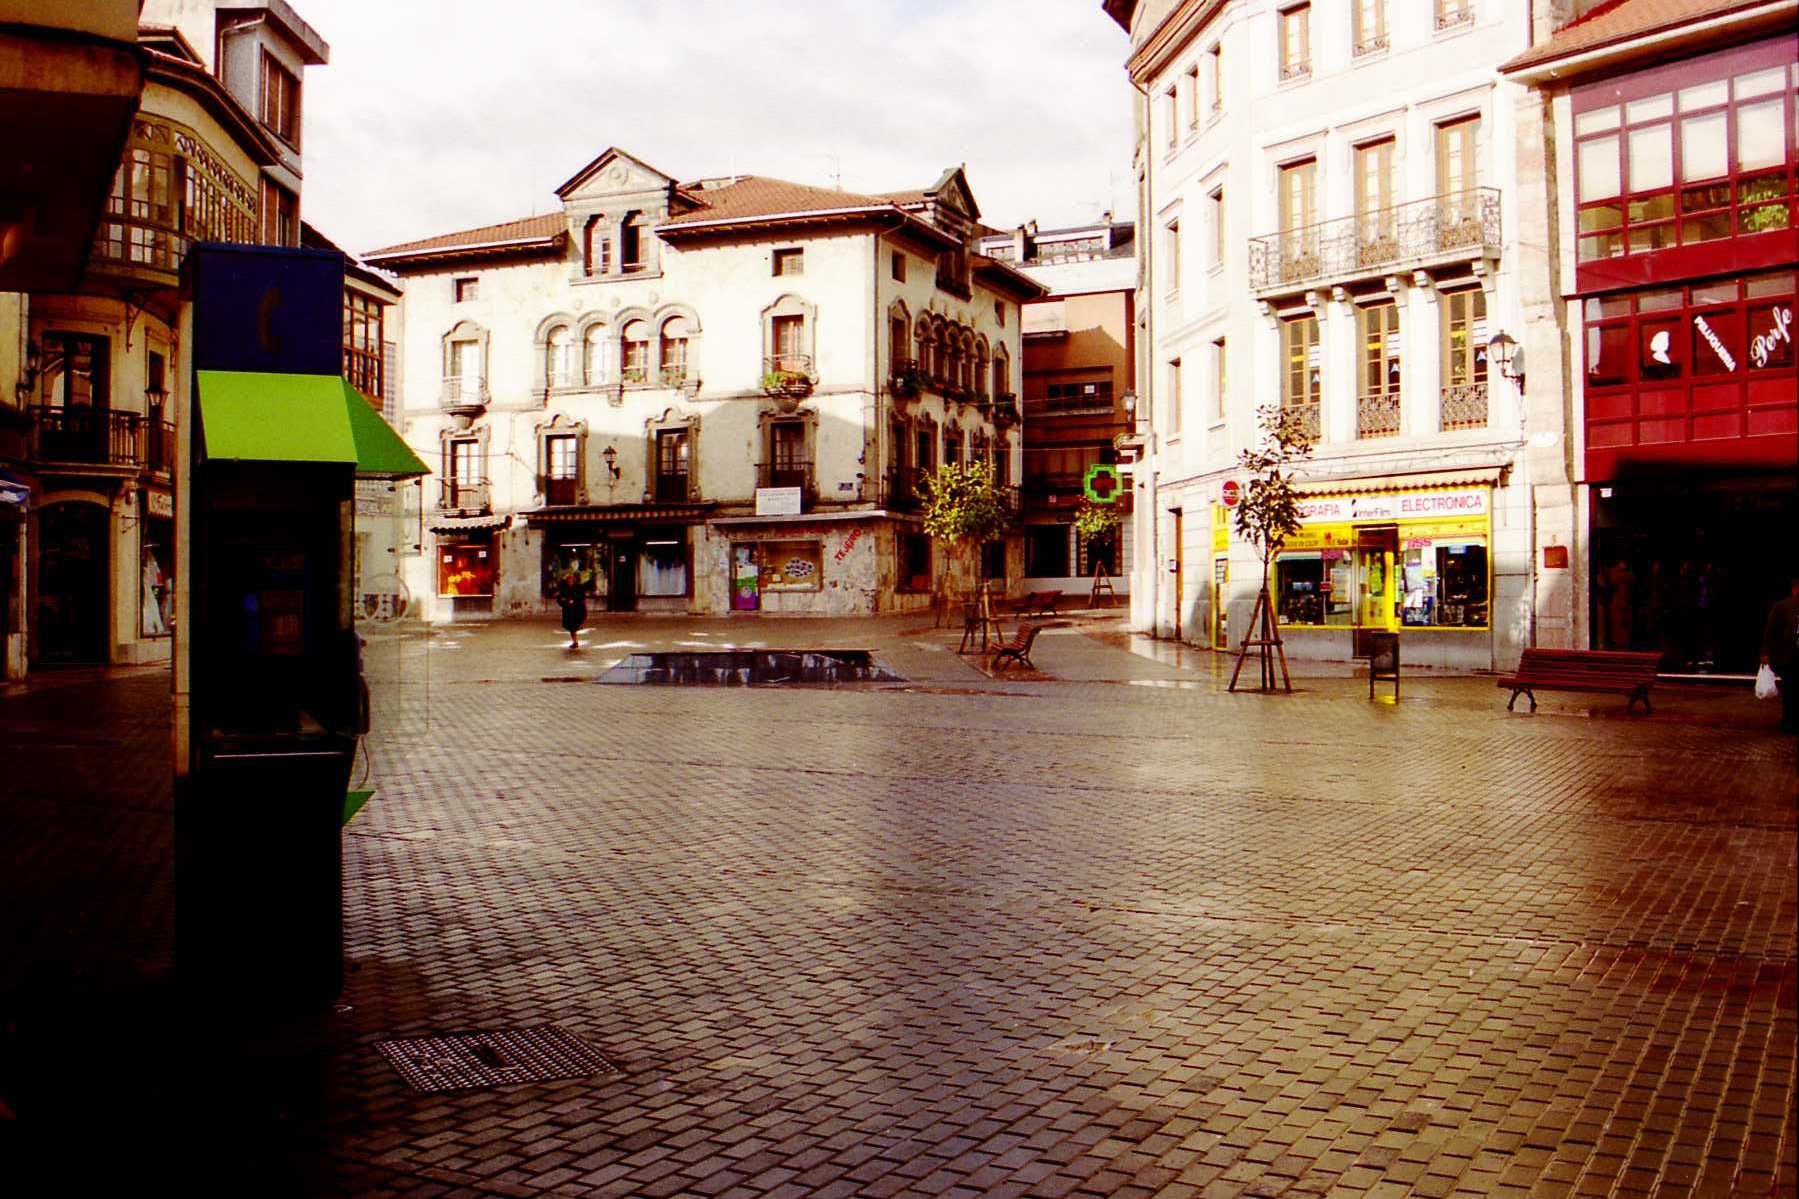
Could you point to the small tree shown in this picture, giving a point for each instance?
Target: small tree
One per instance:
(1096, 522)
(964, 508)
(1268, 514)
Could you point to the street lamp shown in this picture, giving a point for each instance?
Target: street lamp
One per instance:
(1130, 409)
(611, 456)
(1502, 352)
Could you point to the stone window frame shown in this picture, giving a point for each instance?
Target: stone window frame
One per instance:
(608, 342)
(560, 424)
(897, 311)
(673, 418)
(690, 383)
(480, 435)
(622, 320)
(468, 331)
(771, 413)
(791, 304)
(541, 381)
(1002, 372)
(983, 367)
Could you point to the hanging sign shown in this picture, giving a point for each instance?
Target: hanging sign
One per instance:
(1101, 484)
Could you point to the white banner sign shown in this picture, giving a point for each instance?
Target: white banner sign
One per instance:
(1402, 505)
(777, 501)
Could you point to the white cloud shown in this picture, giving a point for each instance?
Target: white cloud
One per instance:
(433, 117)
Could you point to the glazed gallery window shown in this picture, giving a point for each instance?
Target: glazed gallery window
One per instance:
(1683, 165)
(1706, 331)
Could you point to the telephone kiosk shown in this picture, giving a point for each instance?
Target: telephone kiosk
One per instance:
(275, 698)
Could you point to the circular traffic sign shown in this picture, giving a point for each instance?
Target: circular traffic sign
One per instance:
(1231, 493)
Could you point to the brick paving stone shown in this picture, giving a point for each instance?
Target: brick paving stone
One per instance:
(1017, 937)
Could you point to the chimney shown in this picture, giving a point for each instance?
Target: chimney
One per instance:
(1106, 220)
(1019, 241)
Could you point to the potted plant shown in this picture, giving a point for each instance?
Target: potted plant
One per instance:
(781, 381)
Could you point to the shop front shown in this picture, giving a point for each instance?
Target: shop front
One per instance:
(813, 565)
(1415, 563)
(631, 557)
(468, 570)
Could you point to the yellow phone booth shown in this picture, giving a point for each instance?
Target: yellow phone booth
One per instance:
(1377, 596)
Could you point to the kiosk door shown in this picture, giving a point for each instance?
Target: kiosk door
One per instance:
(1377, 590)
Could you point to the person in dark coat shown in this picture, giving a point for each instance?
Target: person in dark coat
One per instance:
(571, 597)
(1780, 650)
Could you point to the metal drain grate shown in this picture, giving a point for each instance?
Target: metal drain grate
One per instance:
(468, 1060)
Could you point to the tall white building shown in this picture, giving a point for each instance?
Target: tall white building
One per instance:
(1330, 224)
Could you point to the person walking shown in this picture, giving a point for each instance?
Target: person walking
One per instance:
(571, 597)
(1780, 650)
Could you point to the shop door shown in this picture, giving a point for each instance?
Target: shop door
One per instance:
(1377, 591)
(72, 591)
(746, 583)
(621, 594)
(1221, 616)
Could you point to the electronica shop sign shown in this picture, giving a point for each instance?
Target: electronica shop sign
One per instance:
(1396, 506)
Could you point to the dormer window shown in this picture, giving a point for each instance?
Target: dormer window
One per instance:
(280, 101)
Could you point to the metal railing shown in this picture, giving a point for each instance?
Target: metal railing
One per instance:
(464, 391)
(786, 474)
(1308, 417)
(1377, 415)
(902, 489)
(561, 491)
(1295, 70)
(788, 364)
(88, 436)
(159, 446)
(671, 487)
(673, 375)
(1449, 18)
(1371, 243)
(457, 495)
(1464, 406)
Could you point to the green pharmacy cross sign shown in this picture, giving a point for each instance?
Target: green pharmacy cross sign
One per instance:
(1102, 484)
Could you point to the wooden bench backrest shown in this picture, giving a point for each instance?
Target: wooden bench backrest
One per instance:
(1585, 661)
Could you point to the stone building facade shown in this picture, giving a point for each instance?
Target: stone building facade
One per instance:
(710, 396)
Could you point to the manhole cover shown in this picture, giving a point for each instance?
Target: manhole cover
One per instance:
(467, 1060)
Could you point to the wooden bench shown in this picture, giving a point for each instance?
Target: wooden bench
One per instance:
(1629, 674)
(1038, 603)
(1016, 650)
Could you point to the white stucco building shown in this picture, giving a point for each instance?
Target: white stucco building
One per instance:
(715, 395)
(1330, 222)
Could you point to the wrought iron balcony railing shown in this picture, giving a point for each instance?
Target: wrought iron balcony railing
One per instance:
(1377, 415)
(671, 487)
(1308, 415)
(159, 447)
(464, 391)
(1448, 17)
(902, 489)
(560, 491)
(1464, 406)
(786, 474)
(86, 436)
(787, 374)
(460, 495)
(1455, 226)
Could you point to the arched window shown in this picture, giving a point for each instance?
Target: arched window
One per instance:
(965, 361)
(595, 367)
(596, 248)
(922, 334)
(630, 244)
(674, 351)
(558, 366)
(634, 364)
(1002, 374)
(981, 368)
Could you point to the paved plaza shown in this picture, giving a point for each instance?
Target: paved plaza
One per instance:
(1105, 930)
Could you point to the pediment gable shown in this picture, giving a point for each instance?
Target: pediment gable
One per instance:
(952, 191)
(614, 173)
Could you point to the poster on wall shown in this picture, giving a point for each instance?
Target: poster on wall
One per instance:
(465, 570)
(745, 593)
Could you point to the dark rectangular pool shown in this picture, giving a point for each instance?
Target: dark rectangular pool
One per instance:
(750, 668)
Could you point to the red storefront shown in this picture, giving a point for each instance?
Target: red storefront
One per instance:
(1686, 243)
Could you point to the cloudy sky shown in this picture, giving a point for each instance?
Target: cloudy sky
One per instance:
(436, 115)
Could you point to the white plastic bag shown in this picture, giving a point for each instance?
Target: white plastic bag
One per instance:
(1765, 687)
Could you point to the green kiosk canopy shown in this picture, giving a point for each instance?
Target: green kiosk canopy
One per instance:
(251, 416)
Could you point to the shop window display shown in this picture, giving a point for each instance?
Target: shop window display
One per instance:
(662, 567)
(1444, 583)
(1315, 587)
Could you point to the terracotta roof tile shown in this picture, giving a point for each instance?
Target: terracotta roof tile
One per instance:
(758, 195)
(523, 229)
(1622, 20)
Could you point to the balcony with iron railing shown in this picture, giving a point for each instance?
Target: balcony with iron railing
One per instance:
(1463, 406)
(788, 374)
(463, 495)
(791, 473)
(159, 447)
(465, 394)
(1307, 415)
(671, 487)
(903, 484)
(79, 439)
(560, 491)
(1422, 235)
(1377, 414)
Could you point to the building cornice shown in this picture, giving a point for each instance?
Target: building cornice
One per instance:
(1712, 33)
(443, 255)
(1177, 29)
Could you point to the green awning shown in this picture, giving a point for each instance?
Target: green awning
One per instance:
(251, 416)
